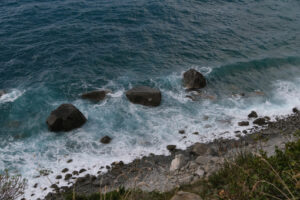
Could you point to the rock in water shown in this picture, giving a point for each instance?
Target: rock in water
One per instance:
(260, 121)
(2, 92)
(185, 196)
(105, 140)
(144, 95)
(95, 96)
(193, 79)
(253, 114)
(243, 123)
(65, 118)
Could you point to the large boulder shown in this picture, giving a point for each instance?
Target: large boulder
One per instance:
(253, 114)
(144, 95)
(65, 118)
(185, 196)
(192, 79)
(95, 96)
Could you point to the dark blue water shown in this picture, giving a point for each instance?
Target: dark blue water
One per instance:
(51, 51)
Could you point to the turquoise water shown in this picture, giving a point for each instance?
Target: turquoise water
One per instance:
(52, 51)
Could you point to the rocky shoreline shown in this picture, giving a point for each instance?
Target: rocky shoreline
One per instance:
(163, 173)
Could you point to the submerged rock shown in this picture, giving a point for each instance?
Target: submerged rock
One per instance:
(105, 140)
(95, 96)
(185, 196)
(65, 118)
(243, 123)
(144, 95)
(253, 114)
(192, 79)
(260, 121)
(2, 92)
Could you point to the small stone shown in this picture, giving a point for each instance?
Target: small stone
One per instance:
(260, 121)
(171, 147)
(244, 131)
(181, 131)
(54, 186)
(64, 170)
(82, 170)
(107, 167)
(105, 140)
(35, 185)
(295, 110)
(75, 173)
(253, 114)
(243, 123)
(68, 176)
(69, 161)
(267, 118)
(196, 133)
(58, 177)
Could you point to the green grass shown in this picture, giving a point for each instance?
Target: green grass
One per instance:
(248, 177)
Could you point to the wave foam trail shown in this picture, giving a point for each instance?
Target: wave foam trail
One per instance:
(13, 95)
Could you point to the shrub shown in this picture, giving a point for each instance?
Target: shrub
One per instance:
(11, 187)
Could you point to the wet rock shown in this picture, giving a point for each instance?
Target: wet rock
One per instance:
(2, 92)
(295, 110)
(260, 121)
(253, 114)
(69, 161)
(144, 95)
(65, 118)
(95, 96)
(105, 140)
(243, 123)
(75, 173)
(54, 186)
(185, 196)
(171, 147)
(177, 162)
(82, 170)
(35, 185)
(199, 149)
(244, 131)
(181, 131)
(196, 133)
(58, 177)
(267, 118)
(68, 176)
(192, 79)
(64, 170)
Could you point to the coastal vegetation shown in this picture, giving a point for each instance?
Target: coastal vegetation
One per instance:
(11, 187)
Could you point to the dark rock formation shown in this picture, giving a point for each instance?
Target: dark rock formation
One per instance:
(253, 114)
(243, 123)
(65, 118)
(64, 170)
(171, 147)
(260, 121)
(181, 131)
(192, 79)
(144, 95)
(105, 140)
(295, 110)
(95, 96)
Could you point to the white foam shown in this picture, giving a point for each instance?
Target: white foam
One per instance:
(11, 96)
(139, 130)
